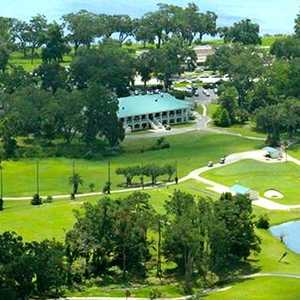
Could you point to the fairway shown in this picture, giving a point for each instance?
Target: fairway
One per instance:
(270, 288)
(50, 221)
(189, 151)
(259, 176)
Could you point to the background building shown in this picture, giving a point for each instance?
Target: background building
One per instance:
(202, 52)
(152, 111)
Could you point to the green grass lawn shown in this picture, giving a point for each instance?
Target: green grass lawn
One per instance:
(270, 288)
(284, 177)
(211, 109)
(191, 151)
(167, 291)
(17, 58)
(53, 220)
(245, 130)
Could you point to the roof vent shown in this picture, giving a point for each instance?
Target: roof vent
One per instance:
(123, 108)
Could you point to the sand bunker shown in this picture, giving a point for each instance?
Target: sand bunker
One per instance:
(273, 194)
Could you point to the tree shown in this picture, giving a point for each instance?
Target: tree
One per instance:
(145, 66)
(170, 59)
(30, 269)
(243, 65)
(20, 32)
(100, 114)
(244, 32)
(132, 222)
(186, 233)
(297, 26)
(75, 180)
(124, 26)
(16, 266)
(56, 45)
(36, 33)
(109, 64)
(4, 57)
(8, 134)
(221, 117)
(70, 114)
(52, 75)
(233, 233)
(153, 172)
(144, 32)
(82, 27)
(112, 234)
(287, 47)
(49, 266)
(229, 101)
(16, 78)
(269, 120)
(129, 173)
(170, 170)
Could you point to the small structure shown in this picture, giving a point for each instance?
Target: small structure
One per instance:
(273, 153)
(152, 111)
(244, 191)
(202, 52)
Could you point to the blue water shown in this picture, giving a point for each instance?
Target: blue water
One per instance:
(274, 16)
(291, 234)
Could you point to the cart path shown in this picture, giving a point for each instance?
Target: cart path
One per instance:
(196, 175)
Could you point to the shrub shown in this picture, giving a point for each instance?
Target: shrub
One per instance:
(161, 143)
(36, 200)
(92, 187)
(107, 188)
(154, 294)
(49, 199)
(221, 117)
(1, 204)
(263, 222)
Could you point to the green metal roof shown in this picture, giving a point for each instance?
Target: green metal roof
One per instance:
(147, 104)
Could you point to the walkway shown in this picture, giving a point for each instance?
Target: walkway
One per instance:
(196, 175)
(220, 189)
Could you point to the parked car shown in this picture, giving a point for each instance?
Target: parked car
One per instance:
(206, 93)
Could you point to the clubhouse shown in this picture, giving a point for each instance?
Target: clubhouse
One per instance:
(152, 111)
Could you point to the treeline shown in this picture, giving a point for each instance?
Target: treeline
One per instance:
(127, 240)
(262, 86)
(152, 171)
(84, 28)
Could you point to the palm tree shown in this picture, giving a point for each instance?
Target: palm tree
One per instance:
(75, 180)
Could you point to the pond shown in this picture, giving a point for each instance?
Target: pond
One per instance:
(289, 233)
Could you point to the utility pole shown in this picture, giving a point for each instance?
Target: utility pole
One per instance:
(176, 177)
(73, 168)
(1, 183)
(38, 177)
(1, 180)
(108, 182)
